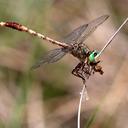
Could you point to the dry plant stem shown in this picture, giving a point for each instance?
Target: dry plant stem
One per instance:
(22, 28)
(111, 38)
(84, 91)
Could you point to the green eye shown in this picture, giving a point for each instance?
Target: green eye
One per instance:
(93, 55)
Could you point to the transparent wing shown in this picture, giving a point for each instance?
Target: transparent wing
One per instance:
(82, 32)
(76, 36)
(56, 54)
(91, 27)
(51, 57)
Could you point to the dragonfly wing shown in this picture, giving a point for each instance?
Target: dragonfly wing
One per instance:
(91, 27)
(51, 57)
(76, 36)
(73, 37)
(81, 33)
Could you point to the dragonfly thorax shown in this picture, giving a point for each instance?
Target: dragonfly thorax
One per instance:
(81, 51)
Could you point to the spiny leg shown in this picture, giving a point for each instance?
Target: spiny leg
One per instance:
(78, 72)
(22, 28)
(87, 71)
(97, 68)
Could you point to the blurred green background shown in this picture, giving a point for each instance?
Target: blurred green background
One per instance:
(49, 96)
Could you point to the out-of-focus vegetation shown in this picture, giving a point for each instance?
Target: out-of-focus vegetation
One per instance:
(48, 97)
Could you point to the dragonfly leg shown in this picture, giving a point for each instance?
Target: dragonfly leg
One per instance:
(77, 71)
(98, 68)
(87, 70)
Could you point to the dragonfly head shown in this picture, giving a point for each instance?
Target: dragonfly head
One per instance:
(93, 55)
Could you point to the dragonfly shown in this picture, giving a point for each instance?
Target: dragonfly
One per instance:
(73, 44)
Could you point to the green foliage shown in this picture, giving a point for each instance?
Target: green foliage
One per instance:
(51, 92)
